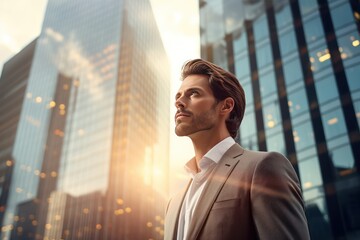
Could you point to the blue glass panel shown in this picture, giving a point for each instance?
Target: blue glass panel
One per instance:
(276, 143)
(287, 43)
(320, 61)
(310, 174)
(240, 43)
(342, 158)
(283, 17)
(333, 123)
(303, 136)
(263, 56)
(242, 66)
(342, 15)
(357, 111)
(267, 83)
(248, 125)
(250, 143)
(307, 6)
(271, 113)
(326, 89)
(349, 46)
(313, 30)
(248, 93)
(297, 102)
(261, 29)
(292, 71)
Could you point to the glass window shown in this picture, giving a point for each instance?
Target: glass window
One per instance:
(267, 83)
(326, 89)
(357, 111)
(292, 71)
(242, 66)
(342, 15)
(283, 16)
(276, 143)
(250, 143)
(313, 30)
(263, 56)
(310, 174)
(240, 42)
(342, 158)
(303, 136)
(297, 102)
(333, 123)
(248, 93)
(219, 54)
(320, 60)
(233, 20)
(271, 115)
(214, 16)
(288, 43)
(317, 218)
(353, 78)
(307, 6)
(261, 30)
(349, 46)
(248, 125)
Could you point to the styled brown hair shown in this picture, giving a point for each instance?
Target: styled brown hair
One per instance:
(223, 85)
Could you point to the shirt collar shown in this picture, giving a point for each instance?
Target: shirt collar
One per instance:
(212, 156)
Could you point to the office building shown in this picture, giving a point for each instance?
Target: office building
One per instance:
(13, 82)
(91, 149)
(299, 63)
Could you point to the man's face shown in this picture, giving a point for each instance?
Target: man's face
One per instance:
(196, 105)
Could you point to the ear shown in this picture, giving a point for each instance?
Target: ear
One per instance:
(227, 106)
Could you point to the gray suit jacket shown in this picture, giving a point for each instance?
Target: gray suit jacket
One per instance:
(249, 195)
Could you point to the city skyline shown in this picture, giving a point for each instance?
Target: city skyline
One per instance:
(179, 28)
(90, 128)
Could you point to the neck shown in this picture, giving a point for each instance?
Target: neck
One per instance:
(205, 141)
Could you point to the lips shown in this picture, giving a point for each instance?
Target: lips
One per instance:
(181, 114)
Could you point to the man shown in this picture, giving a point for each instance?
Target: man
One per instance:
(234, 193)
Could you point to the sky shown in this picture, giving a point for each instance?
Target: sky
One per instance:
(178, 22)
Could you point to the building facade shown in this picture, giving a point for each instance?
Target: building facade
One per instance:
(13, 82)
(91, 150)
(299, 63)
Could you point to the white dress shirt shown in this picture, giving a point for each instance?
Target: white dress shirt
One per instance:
(206, 165)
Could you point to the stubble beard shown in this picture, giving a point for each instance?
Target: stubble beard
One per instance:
(199, 123)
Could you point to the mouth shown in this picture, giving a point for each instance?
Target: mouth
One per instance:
(181, 115)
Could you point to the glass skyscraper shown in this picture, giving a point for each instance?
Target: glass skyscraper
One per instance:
(299, 63)
(90, 156)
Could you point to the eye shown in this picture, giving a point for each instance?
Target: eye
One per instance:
(194, 93)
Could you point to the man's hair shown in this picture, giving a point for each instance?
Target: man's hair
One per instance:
(223, 85)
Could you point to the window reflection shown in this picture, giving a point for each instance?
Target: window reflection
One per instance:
(342, 15)
(287, 43)
(313, 30)
(297, 102)
(334, 124)
(267, 84)
(276, 143)
(310, 174)
(248, 126)
(342, 159)
(292, 71)
(326, 89)
(303, 136)
(264, 56)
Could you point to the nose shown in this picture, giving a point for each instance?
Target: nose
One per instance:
(179, 103)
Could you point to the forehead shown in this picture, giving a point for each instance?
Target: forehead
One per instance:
(195, 81)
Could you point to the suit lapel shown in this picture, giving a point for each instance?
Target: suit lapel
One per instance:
(212, 189)
(173, 213)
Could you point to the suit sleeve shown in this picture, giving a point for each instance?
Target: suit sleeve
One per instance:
(276, 200)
